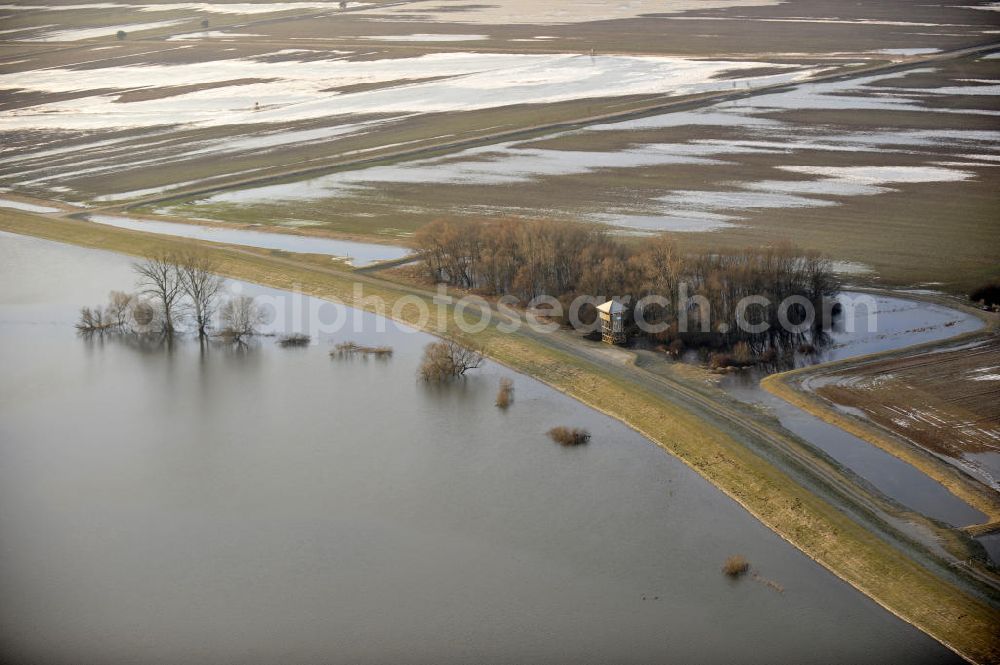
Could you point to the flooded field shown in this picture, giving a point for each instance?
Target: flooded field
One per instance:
(277, 95)
(897, 323)
(357, 254)
(382, 528)
(945, 401)
(886, 142)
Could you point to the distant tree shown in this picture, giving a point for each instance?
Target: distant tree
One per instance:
(447, 360)
(202, 286)
(93, 320)
(120, 34)
(241, 318)
(987, 294)
(161, 280)
(114, 317)
(120, 308)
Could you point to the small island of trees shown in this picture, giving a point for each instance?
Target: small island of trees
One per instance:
(175, 289)
(565, 260)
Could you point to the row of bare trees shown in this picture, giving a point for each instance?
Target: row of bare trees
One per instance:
(171, 289)
(525, 259)
(564, 260)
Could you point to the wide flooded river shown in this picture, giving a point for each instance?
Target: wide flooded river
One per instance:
(266, 505)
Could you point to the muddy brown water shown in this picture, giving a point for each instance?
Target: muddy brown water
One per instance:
(207, 505)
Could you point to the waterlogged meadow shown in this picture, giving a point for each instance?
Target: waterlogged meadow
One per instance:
(818, 162)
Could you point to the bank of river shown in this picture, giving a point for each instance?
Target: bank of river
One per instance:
(190, 504)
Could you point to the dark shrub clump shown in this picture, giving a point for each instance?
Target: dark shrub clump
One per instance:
(987, 294)
(505, 395)
(346, 349)
(295, 339)
(736, 566)
(569, 436)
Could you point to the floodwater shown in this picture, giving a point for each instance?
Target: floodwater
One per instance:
(358, 254)
(293, 89)
(548, 12)
(426, 37)
(898, 323)
(206, 505)
(498, 164)
(949, 156)
(75, 34)
(28, 207)
(212, 7)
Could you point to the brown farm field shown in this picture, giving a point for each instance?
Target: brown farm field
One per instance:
(947, 402)
(902, 191)
(375, 119)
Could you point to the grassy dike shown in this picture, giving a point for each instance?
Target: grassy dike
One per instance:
(816, 527)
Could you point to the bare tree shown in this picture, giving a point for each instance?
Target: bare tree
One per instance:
(114, 317)
(202, 286)
(119, 308)
(241, 317)
(94, 320)
(160, 278)
(447, 359)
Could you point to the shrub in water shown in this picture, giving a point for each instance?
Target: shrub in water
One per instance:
(505, 395)
(295, 339)
(736, 565)
(569, 436)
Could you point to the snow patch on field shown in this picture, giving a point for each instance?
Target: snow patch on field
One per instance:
(76, 34)
(209, 34)
(984, 374)
(426, 37)
(297, 90)
(211, 7)
(542, 12)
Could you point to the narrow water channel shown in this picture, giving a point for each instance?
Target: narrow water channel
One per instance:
(898, 323)
(358, 254)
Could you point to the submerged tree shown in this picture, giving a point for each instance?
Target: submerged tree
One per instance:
(202, 286)
(447, 360)
(117, 316)
(160, 279)
(241, 318)
(94, 320)
(119, 310)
